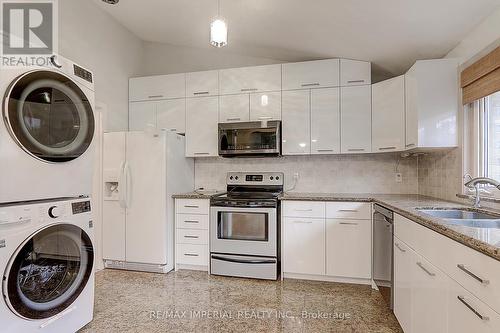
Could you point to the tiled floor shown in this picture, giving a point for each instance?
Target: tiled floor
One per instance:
(189, 301)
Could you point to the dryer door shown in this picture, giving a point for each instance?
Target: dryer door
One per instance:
(48, 271)
(49, 116)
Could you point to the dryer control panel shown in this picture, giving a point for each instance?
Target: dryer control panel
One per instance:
(80, 207)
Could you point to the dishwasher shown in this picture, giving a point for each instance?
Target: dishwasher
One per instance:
(382, 260)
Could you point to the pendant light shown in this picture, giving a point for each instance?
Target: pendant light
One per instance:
(218, 30)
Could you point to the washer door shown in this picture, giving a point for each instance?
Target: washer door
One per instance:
(49, 116)
(49, 271)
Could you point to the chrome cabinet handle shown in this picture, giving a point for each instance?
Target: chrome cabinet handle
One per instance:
(201, 93)
(187, 236)
(191, 255)
(233, 119)
(387, 148)
(155, 96)
(191, 206)
(348, 210)
(202, 153)
(348, 223)
(355, 81)
(173, 129)
(249, 89)
(355, 149)
(419, 264)
(399, 247)
(323, 150)
(187, 221)
(310, 84)
(468, 272)
(304, 210)
(304, 222)
(410, 145)
(477, 313)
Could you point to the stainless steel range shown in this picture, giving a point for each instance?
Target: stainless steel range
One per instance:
(244, 226)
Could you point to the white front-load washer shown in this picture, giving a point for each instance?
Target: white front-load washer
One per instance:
(46, 136)
(47, 264)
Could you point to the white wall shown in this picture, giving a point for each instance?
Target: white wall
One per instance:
(90, 37)
(162, 58)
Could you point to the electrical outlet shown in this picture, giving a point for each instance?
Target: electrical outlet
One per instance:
(399, 178)
(296, 176)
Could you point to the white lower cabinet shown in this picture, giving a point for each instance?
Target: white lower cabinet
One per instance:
(348, 248)
(402, 283)
(304, 245)
(202, 126)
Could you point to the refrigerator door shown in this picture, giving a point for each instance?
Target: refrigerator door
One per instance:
(146, 197)
(113, 214)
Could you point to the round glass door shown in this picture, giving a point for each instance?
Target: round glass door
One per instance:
(49, 116)
(49, 271)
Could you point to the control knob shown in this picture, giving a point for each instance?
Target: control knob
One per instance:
(54, 212)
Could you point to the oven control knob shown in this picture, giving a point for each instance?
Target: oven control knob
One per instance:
(277, 178)
(236, 177)
(54, 212)
(271, 177)
(231, 177)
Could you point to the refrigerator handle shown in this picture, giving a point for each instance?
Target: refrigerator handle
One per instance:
(128, 184)
(122, 187)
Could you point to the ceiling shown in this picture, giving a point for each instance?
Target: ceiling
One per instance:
(392, 34)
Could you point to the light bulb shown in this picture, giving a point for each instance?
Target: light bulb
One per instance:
(218, 33)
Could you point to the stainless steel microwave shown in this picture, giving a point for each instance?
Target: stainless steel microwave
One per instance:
(250, 139)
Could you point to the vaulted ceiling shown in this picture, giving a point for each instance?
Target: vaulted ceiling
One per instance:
(391, 34)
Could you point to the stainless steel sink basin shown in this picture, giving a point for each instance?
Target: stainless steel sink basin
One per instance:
(475, 223)
(459, 214)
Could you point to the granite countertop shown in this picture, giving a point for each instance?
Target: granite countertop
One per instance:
(484, 240)
(198, 194)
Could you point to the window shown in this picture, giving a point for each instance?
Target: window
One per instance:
(482, 138)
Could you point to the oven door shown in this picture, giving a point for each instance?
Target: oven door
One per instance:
(247, 231)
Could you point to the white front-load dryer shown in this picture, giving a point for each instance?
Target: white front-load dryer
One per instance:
(46, 136)
(47, 264)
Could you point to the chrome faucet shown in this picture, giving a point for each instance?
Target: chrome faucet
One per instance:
(475, 182)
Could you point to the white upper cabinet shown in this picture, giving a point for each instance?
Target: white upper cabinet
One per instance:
(142, 116)
(234, 108)
(325, 121)
(311, 74)
(157, 87)
(356, 119)
(432, 104)
(250, 79)
(355, 72)
(202, 126)
(296, 125)
(202, 84)
(171, 115)
(388, 115)
(265, 106)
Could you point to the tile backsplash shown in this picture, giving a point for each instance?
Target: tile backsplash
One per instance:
(323, 173)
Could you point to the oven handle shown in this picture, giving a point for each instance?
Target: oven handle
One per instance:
(240, 261)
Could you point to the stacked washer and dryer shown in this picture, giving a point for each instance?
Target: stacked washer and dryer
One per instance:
(46, 228)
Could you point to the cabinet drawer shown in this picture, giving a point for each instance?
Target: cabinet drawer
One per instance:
(191, 254)
(192, 206)
(348, 210)
(304, 209)
(192, 236)
(191, 221)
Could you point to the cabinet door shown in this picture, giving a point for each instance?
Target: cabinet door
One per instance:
(325, 121)
(201, 126)
(356, 119)
(355, 72)
(234, 108)
(296, 122)
(202, 84)
(311, 74)
(429, 297)
(265, 106)
(142, 116)
(250, 79)
(171, 115)
(388, 109)
(411, 109)
(157, 87)
(466, 313)
(403, 260)
(304, 246)
(348, 248)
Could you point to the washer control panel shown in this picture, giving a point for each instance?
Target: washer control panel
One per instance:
(81, 207)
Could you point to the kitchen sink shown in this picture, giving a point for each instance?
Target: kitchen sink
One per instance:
(495, 224)
(459, 214)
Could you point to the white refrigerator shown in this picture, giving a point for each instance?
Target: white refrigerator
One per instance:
(141, 171)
